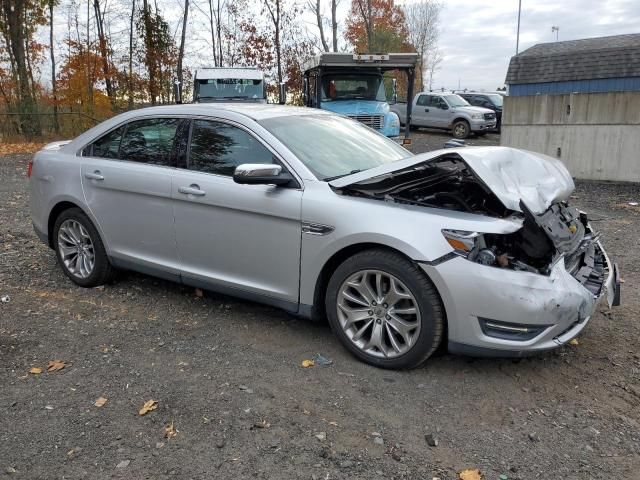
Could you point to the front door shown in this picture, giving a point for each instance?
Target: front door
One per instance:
(126, 177)
(440, 112)
(236, 238)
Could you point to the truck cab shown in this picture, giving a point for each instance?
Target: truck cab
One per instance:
(353, 85)
(221, 84)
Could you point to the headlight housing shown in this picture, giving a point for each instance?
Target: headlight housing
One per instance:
(477, 116)
(472, 246)
(487, 249)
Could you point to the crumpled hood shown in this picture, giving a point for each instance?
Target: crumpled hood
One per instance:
(513, 175)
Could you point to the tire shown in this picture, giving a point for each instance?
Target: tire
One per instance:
(75, 224)
(461, 129)
(423, 330)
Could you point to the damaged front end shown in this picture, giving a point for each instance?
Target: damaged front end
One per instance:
(506, 184)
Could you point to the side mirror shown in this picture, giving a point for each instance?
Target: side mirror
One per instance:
(177, 91)
(261, 174)
(444, 106)
(283, 94)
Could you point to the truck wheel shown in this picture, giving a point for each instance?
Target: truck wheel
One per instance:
(461, 129)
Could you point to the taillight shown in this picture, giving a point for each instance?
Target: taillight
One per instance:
(30, 169)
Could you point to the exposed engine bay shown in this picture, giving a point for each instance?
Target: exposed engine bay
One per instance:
(447, 182)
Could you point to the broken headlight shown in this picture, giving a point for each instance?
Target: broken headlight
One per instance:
(474, 247)
(471, 245)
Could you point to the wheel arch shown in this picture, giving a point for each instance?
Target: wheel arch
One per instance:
(55, 212)
(340, 256)
(461, 119)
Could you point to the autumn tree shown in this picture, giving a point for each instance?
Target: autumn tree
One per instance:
(377, 26)
(80, 67)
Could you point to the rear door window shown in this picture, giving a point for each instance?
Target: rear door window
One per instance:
(218, 148)
(149, 141)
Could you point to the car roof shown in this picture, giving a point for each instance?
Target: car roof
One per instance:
(256, 111)
(437, 93)
(478, 93)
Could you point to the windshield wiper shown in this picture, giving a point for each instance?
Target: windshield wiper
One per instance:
(335, 177)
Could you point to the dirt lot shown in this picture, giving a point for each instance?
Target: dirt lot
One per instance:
(227, 374)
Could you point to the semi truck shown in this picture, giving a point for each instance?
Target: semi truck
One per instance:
(353, 85)
(222, 84)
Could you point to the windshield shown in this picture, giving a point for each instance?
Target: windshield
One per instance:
(456, 101)
(229, 88)
(332, 146)
(353, 87)
(496, 99)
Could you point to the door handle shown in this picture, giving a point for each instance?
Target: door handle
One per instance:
(192, 189)
(96, 175)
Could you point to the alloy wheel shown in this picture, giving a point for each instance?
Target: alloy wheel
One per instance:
(76, 248)
(378, 313)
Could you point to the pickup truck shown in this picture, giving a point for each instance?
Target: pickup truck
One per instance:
(447, 111)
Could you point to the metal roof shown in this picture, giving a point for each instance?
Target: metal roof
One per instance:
(616, 56)
(245, 73)
(387, 61)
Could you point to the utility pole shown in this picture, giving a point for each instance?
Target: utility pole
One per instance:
(557, 30)
(518, 31)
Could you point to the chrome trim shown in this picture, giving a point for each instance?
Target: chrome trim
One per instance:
(316, 228)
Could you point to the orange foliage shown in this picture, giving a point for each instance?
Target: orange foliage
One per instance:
(81, 80)
(388, 27)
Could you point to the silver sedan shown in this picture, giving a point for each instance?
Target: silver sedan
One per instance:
(474, 249)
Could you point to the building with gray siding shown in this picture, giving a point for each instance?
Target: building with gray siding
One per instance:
(579, 101)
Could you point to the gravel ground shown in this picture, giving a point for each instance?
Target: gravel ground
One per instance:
(227, 374)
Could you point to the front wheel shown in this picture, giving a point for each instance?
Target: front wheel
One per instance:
(384, 310)
(461, 129)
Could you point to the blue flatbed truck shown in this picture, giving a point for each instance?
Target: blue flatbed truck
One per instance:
(353, 85)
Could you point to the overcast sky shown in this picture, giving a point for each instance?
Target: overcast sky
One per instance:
(479, 38)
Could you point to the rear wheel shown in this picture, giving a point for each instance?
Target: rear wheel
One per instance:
(385, 310)
(461, 129)
(80, 250)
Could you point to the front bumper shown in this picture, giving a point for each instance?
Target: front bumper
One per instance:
(558, 305)
(482, 125)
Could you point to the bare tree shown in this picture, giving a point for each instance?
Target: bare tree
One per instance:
(104, 52)
(131, 29)
(182, 40)
(365, 8)
(274, 9)
(316, 10)
(434, 59)
(423, 22)
(54, 91)
(217, 13)
(334, 24)
(213, 34)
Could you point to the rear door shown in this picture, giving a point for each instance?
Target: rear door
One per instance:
(241, 238)
(126, 177)
(420, 113)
